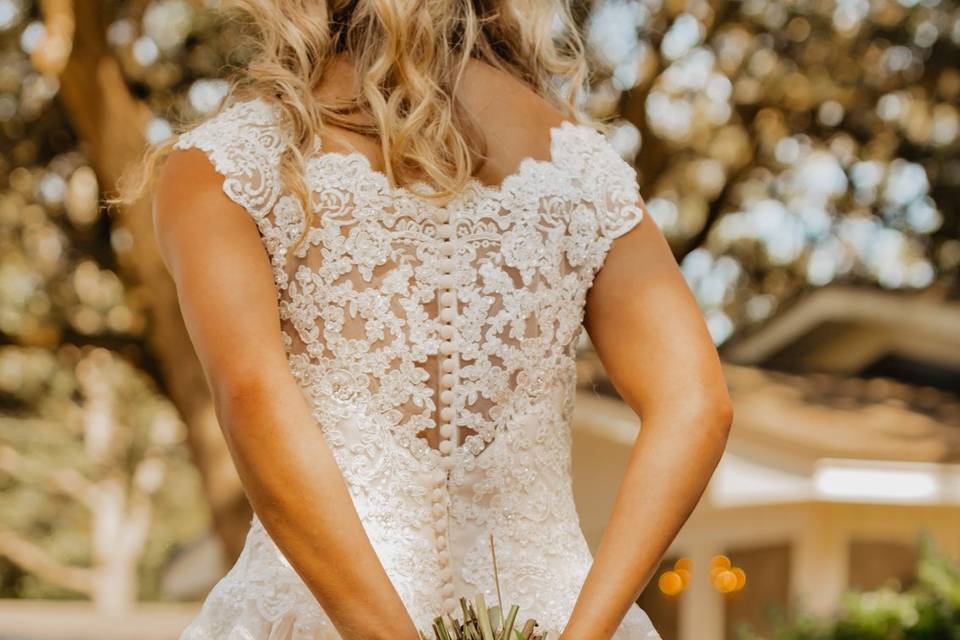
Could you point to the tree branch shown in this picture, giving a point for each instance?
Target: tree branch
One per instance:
(38, 562)
(54, 50)
(68, 482)
(111, 123)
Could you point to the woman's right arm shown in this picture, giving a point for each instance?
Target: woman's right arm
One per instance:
(228, 299)
(649, 333)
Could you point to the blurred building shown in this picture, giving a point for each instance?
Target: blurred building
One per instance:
(845, 448)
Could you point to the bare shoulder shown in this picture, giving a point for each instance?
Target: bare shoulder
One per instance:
(515, 120)
(184, 181)
(190, 207)
(498, 95)
(185, 174)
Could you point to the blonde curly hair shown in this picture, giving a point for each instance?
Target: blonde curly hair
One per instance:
(410, 58)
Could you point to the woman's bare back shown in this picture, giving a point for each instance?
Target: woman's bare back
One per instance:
(512, 121)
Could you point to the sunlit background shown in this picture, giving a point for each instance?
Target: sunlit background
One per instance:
(802, 159)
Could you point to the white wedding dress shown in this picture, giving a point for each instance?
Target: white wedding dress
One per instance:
(402, 317)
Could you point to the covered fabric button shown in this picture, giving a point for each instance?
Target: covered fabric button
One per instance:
(446, 430)
(447, 298)
(446, 331)
(448, 380)
(444, 230)
(449, 364)
(446, 414)
(446, 347)
(447, 315)
(446, 446)
(446, 282)
(446, 397)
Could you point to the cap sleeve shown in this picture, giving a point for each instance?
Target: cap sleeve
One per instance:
(618, 198)
(609, 204)
(244, 145)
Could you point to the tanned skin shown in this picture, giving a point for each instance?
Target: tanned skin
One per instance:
(641, 316)
(650, 336)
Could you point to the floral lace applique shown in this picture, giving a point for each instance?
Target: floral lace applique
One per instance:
(436, 346)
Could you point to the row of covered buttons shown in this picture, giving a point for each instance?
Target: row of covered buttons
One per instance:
(448, 363)
(448, 431)
(440, 527)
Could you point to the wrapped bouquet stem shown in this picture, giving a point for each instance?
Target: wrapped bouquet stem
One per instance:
(481, 622)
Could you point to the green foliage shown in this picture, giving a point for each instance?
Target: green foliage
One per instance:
(928, 610)
(46, 432)
(62, 293)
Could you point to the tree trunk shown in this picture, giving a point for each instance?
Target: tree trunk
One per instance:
(110, 122)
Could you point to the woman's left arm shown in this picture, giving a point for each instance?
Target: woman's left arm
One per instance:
(651, 338)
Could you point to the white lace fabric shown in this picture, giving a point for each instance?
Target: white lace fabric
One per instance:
(436, 346)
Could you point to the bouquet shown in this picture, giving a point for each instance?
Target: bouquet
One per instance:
(485, 623)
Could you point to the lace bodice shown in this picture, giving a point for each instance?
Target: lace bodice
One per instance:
(436, 347)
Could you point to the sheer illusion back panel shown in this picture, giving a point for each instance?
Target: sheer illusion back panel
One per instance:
(436, 346)
(383, 287)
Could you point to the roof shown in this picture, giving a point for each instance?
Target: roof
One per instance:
(843, 329)
(825, 415)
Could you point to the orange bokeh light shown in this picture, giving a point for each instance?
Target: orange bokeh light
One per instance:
(741, 578)
(725, 581)
(671, 583)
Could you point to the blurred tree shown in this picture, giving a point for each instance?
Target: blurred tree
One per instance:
(59, 284)
(787, 145)
(68, 49)
(112, 123)
(98, 450)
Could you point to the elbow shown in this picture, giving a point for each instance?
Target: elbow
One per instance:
(710, 414)
(239, 394)
(705, 415)
(723, 414)
(716, 413)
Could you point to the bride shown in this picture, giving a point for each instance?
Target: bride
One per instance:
(386, 248)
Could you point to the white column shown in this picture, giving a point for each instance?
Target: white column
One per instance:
(819, 567)
(701, 606)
